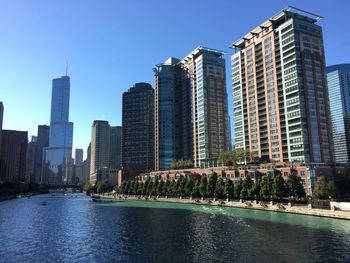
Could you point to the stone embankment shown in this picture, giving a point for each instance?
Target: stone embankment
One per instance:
(266, 206)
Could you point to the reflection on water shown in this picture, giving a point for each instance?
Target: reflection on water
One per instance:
(74, 229)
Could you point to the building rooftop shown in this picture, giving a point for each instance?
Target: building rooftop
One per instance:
(199, 50)
(288, 11)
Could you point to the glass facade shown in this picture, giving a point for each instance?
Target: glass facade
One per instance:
(57, 168)
(338, 77)
(166, 113)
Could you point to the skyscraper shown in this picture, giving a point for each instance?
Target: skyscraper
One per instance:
(31, 159)
(137, 130)
(115, 157)
(13, 156)
(57, 164)
(191, 115)
(280, 97)
(41, 143)
(167, 119)
(100, 150)
(79, 155)
(338, 77)
(204, 69)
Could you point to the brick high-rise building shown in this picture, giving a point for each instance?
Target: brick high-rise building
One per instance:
(13, 156)
(280, 98)
(137, 130)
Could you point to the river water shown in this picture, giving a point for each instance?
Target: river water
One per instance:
(72, 228)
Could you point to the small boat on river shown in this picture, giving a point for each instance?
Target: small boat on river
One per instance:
(98, 199)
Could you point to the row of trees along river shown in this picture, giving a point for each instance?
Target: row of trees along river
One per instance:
(212, 186)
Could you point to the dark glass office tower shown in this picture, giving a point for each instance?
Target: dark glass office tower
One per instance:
(41, 143)
(167, 112)
(338, 77)
(58, 156)
(13, 156)
(115, 160)
(137, 130)
(191, 116)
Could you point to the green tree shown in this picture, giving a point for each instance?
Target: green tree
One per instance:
(324, 189)
(219, 188)
(149, 188)
(255, 190)
(160, 188)
(87, 187)
(136, 187)
(211, 185)
(227, 158)
(146, 186)
(131, 187)
(182, 188)
(154, 187)
(203, 186)
(238, 187)
(266, 186)
(246, 186)
(167, 189)
(295, 186)
(141, 187)
(196, 188)
(278, 186)
(189, 186)
(102, 187)
(172, 187)
(229, 188)
(181, 164)
(177, 187)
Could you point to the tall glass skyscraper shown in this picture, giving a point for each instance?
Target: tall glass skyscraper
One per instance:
(338, 77)
(191, 116)
(57, 166)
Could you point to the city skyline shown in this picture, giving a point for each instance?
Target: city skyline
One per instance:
(105, 79)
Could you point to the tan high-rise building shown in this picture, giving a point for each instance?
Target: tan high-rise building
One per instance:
(100, 149)
(280, 97)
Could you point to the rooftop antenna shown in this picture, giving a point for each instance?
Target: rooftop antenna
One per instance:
(66, 68)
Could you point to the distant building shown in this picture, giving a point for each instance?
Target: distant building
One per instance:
(31, 159)
(338, 77)
(1, 119)
(115, 157)
(41, 143)
(13, 156)
(78, 165)
(279, 85)
(79, 155)
(100, 150)
(57, 159)
(191, 113)
(137, 130)
(86, 168)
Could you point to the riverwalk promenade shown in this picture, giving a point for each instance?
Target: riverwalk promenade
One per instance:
(267, 206)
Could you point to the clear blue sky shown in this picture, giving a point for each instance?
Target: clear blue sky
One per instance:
(110, 45)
